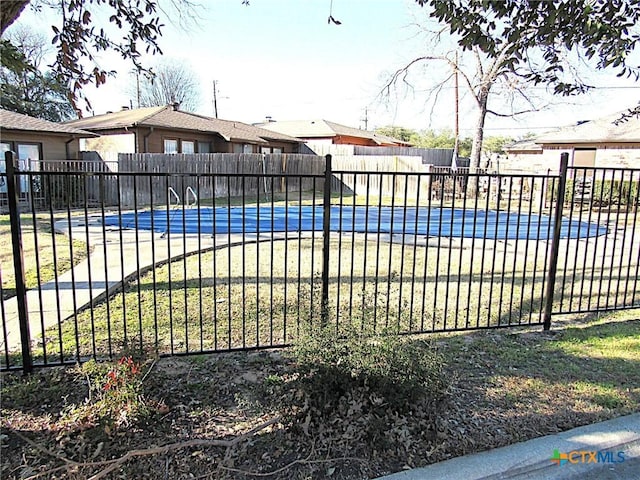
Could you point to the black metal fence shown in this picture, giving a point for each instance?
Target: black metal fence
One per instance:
(402, 252)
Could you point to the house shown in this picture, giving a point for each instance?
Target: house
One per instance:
(523, 155)
(36, 139)
(605, 142)
(167, 129)
(326, 132)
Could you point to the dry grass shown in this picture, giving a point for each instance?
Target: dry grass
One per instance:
(506, 386)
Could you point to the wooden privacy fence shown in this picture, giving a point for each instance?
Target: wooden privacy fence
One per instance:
(401, 185)
(438, 157)
(254, 175)
(131, 180)
(61, 190)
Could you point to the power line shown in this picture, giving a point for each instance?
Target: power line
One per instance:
(592, 89)
(545, 127)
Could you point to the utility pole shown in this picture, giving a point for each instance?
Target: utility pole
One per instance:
(136, 72)
(215, 99)
(457, 120)
(366, 118)
(138, 86)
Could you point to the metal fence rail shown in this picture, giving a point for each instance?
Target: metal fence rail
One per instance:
(180, 269)
(600, 272)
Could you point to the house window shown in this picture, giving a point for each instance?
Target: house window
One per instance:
(584, 157)
(204, 147)
(170, 145)
(28, 152)
(29, 156)
(265, 149)
(277, 150)
(4, 147)
(188, 146)
(242, 148)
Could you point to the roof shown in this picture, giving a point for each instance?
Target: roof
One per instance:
(18, 121)
(168, 117)
(526, 145)
(603, 130)
(323, 129)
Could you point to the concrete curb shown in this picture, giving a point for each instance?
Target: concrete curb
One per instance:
(531, 460)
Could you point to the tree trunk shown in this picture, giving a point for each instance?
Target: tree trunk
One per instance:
(10, 11)
(478, 136)
(476, 146)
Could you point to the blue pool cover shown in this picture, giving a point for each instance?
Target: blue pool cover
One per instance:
(443, 222)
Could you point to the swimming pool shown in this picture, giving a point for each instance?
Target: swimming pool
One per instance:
(443, 222)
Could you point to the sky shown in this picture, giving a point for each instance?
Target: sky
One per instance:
(282, 59)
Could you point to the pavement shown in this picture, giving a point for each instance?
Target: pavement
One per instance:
(616, 444)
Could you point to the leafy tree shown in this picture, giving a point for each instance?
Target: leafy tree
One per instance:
(37, 94)
(428, 138)
(24, 88)
(444, 139)
(629, 114)
(401, 133)
(172, 81)
(518, 42)
(496, 144)
(493, 146)
(134, 27)
(605, 32)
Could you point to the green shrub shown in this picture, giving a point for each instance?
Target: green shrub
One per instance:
(115, 396)
(399, 371)
(355, 389)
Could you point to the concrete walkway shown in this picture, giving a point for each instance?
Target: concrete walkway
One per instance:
(531, 460)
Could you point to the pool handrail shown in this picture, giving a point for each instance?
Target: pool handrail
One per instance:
(186, 197)
(264, 173)
(170, 192)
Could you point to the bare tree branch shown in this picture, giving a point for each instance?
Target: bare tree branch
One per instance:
(512, 114)
(402, 73)
(436, 94)
(111, 465)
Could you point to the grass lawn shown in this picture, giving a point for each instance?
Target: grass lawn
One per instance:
(504, 386)
(262, 294)
(46, 254)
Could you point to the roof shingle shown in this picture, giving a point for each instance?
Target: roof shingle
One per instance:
(18, 121)
(167, 117)
(603, 130)
(324, 129)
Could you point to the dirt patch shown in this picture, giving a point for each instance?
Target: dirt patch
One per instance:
(226, 416)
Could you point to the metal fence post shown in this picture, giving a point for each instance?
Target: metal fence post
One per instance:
(18, 261)
(555, 243)
(326, 224)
